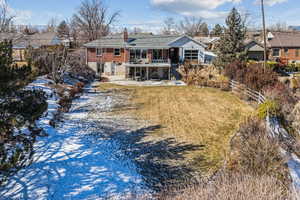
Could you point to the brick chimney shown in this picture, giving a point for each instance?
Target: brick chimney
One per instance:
(125, 35)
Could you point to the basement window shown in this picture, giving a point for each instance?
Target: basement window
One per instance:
(117, 52)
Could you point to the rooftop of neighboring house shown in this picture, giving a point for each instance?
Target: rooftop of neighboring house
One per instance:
(18, 39)
(283, 39)
(207, 40)
(44, 39)
(36, 40)
(253, 45)
(137, 40)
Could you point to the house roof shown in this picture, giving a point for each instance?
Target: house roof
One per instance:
(253, 45)
(137, 41)
(44, 39)
(18, 39)
(207, 40)
(37, 40)
(284, 39)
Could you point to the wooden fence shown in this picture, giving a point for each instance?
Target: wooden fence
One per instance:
(243, 90)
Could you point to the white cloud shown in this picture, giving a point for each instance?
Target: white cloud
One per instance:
(21, 17)
(273, 2)
(200, 8)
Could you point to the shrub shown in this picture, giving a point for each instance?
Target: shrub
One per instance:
(269, 107)
(18, 112)
(104, 79)
(296, 117)
(255, 152)
(209, 76)
(233, 187)
(295, 83)
(253, 76)
(272, 65)
(284, 97)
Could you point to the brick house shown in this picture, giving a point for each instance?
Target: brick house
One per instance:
(142, 56)
(284, 46)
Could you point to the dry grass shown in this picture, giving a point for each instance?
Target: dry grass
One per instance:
(235, 187)
(198, 116)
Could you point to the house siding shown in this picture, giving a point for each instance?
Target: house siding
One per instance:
(107, 56)
(291, 55)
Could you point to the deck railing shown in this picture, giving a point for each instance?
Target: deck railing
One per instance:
(147, 61)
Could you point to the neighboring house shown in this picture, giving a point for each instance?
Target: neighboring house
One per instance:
(209, 41)
(21, 42)
(44, 40)
(143, 56)
(284, 46)
(254, 49)
(19, 46)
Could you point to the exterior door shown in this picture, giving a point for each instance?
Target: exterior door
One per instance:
(113, 69)
(174, 55)
(100, 68)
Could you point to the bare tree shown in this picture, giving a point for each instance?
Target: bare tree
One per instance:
(29, 30)
(52, 62)
(136, 30)
(190, 26)
(74, 33)
(93, 19)
(63, 30)
(204, 31)
(169, 26)
(6, 20)
(279, 26)
(52, 25)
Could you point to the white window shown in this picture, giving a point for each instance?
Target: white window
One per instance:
(138, 54)
(191, 54)
(99, 52)
(117, 52)
(157, 54)
(276, 52)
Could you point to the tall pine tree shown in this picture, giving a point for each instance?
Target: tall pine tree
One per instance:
(231, 44)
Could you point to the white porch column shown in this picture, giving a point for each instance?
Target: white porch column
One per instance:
(147, 73)
(169, 73)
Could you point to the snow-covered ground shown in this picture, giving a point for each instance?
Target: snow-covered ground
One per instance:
(74, 161)
(276, 130)
(148, 83)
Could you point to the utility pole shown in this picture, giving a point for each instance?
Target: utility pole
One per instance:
(264, 30)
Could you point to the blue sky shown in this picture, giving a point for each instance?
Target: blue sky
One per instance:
(149, 14)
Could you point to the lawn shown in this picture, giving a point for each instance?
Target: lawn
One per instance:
(197, 116)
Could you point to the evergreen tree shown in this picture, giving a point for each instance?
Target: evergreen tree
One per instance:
(11, 76)
(217, 30)
(231, 47)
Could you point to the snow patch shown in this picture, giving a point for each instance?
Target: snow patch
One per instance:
(70, 163)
